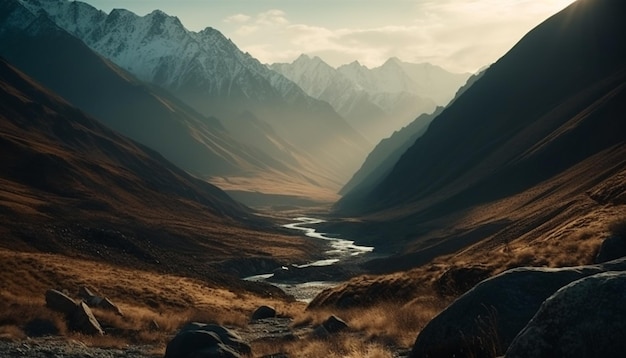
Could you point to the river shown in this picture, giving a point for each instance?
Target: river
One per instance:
(340, 251)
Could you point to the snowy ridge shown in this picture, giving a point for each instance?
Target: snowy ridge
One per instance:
(376, 102)
(158, 49)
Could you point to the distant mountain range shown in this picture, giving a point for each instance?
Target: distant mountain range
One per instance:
(539, 134)
(210, 74)
(375, 101)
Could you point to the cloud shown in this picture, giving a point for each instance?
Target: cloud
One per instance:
(272, 18)
(459, 35)
(237, 19)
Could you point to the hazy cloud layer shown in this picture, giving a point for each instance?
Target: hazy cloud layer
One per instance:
(459, 35)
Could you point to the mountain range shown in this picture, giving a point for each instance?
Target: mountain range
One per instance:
(211, 75)
(375, 101)
(541, 133)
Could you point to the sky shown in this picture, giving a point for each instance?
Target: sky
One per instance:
(458, 35)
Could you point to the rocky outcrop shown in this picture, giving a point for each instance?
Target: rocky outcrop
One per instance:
(96, 301)
(263, 312)
(485, 320)
(612, 248)
(206, 341)
(83, 320)
(331, 326)
(583, 319)
(60, 302)
(78, 315)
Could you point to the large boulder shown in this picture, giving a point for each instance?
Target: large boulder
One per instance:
(612, 248)
(586, 318)
(94, 301)
(263, 312)
(60, 302)
(78, 315)
(83, 320)
(335, 324)
(330, 327)
(199, 340)
(486, 319)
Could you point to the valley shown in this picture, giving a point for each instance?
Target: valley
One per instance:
(164, 193)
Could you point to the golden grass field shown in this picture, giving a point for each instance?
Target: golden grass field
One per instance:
(170, 300)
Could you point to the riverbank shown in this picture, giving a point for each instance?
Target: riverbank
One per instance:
(304, 281)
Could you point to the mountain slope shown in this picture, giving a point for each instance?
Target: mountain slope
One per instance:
(518, 160)
(69, 185)
(211, 74)
(491, 129)
(526, 168)
(386, 154)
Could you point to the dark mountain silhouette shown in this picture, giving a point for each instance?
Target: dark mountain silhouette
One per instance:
(69, 185)
(552, 105)
(386, 154)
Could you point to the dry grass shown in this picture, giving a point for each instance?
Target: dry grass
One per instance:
(144, 297)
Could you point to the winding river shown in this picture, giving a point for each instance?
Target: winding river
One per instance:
(339, 250)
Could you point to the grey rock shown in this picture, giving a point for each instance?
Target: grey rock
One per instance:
(84, 321)
(335, 324)
(85, 293)
(60, 302)
(106, 304)
(206, 340)
(95, 301)
(263, 312)
(198, 344)
(612, 248)
(586, 318)
(486, 319)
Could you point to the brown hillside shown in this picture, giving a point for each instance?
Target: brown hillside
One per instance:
(70, 186)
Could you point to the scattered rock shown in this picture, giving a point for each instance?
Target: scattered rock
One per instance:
(582, 319)
(263, 312)
(95, 301)
(85, 293)
(335, 324)
(485, 320)
(60, 302)
(106, 304)
(612, 248)
(83, 320)
(206, 341)
(79, 316)
(154, 325)
(331, 326)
